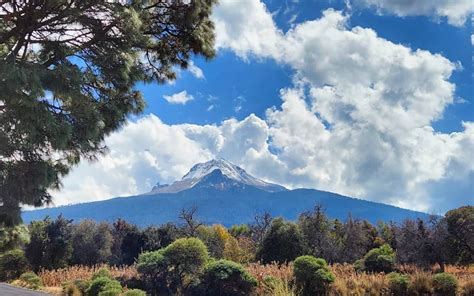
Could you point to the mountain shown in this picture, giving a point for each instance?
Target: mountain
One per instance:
(223, 193)
(202, 174)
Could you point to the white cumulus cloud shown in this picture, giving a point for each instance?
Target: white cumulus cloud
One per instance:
(179, 98)
(456, 11)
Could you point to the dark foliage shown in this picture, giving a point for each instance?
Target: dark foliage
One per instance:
(128, 242)
(312, 275)
(92, 243)
(50, 245)
(12, 264)
(460, 224)
(283, 242)
(225, 278)
(380, 259)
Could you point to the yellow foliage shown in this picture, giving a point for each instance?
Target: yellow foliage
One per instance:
(221, 232)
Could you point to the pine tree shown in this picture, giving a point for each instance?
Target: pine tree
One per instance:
(69, 70)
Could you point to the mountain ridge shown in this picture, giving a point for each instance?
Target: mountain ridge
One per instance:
(225, 194)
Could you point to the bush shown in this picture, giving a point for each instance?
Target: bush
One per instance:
(111, 292)
(380, 259)
(82, 285)
(134, 292)
(445, 284)
(12, 264)
(420, 284)
(165, 271)
(76, 287)
(152, 267)
(359, 265)
(186, 256)
(102, 284)
(131, 282)
(398, 283)
(103, 272)
(312, 275)
(224, 277)
(283, 242)
(31, 280)
(71, 289)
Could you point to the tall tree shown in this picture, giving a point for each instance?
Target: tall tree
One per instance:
(460, 224)
(92, 243)
(50, 245)
(283, 242)
(316, 227)
(128, 242)
(69, 70)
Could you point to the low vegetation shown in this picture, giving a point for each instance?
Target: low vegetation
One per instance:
(313, 256)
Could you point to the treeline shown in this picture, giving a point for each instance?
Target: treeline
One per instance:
(51, 244)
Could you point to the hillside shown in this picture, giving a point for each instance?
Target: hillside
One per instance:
(225, 196)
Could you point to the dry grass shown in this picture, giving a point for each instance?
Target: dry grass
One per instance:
(53, 290)
(274, 279)
(55, 278)
(277, 280)
(349, 282)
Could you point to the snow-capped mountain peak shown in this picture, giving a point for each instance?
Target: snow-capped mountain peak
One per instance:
(229, 171)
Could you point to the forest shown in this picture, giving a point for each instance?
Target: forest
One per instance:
(314, 255)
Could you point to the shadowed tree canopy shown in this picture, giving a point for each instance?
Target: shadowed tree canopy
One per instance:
(68, 73)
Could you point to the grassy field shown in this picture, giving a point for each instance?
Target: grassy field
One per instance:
(274, 279)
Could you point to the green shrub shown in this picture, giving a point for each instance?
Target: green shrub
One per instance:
(224, 277)
(103, 272)
(111, 292)
(134, 292)
(186, 255)
(133, 282)
(101, 284)
(153, 270)
(82, 285)
(12, 264)
(71, 289)
(31, 280)
(398, 283)
(445, 284)
(283, 242)
(381, 259)
(359, 265)
(312, 275)
(166, 270)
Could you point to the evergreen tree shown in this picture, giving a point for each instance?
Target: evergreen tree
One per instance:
(460, 225)
(50, 244)
(316, 227)
(128, 242)
(69, 70)
(92, 243)
(283, 242)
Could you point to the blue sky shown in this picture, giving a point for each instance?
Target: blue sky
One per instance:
(228, 77)
(368, 98)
